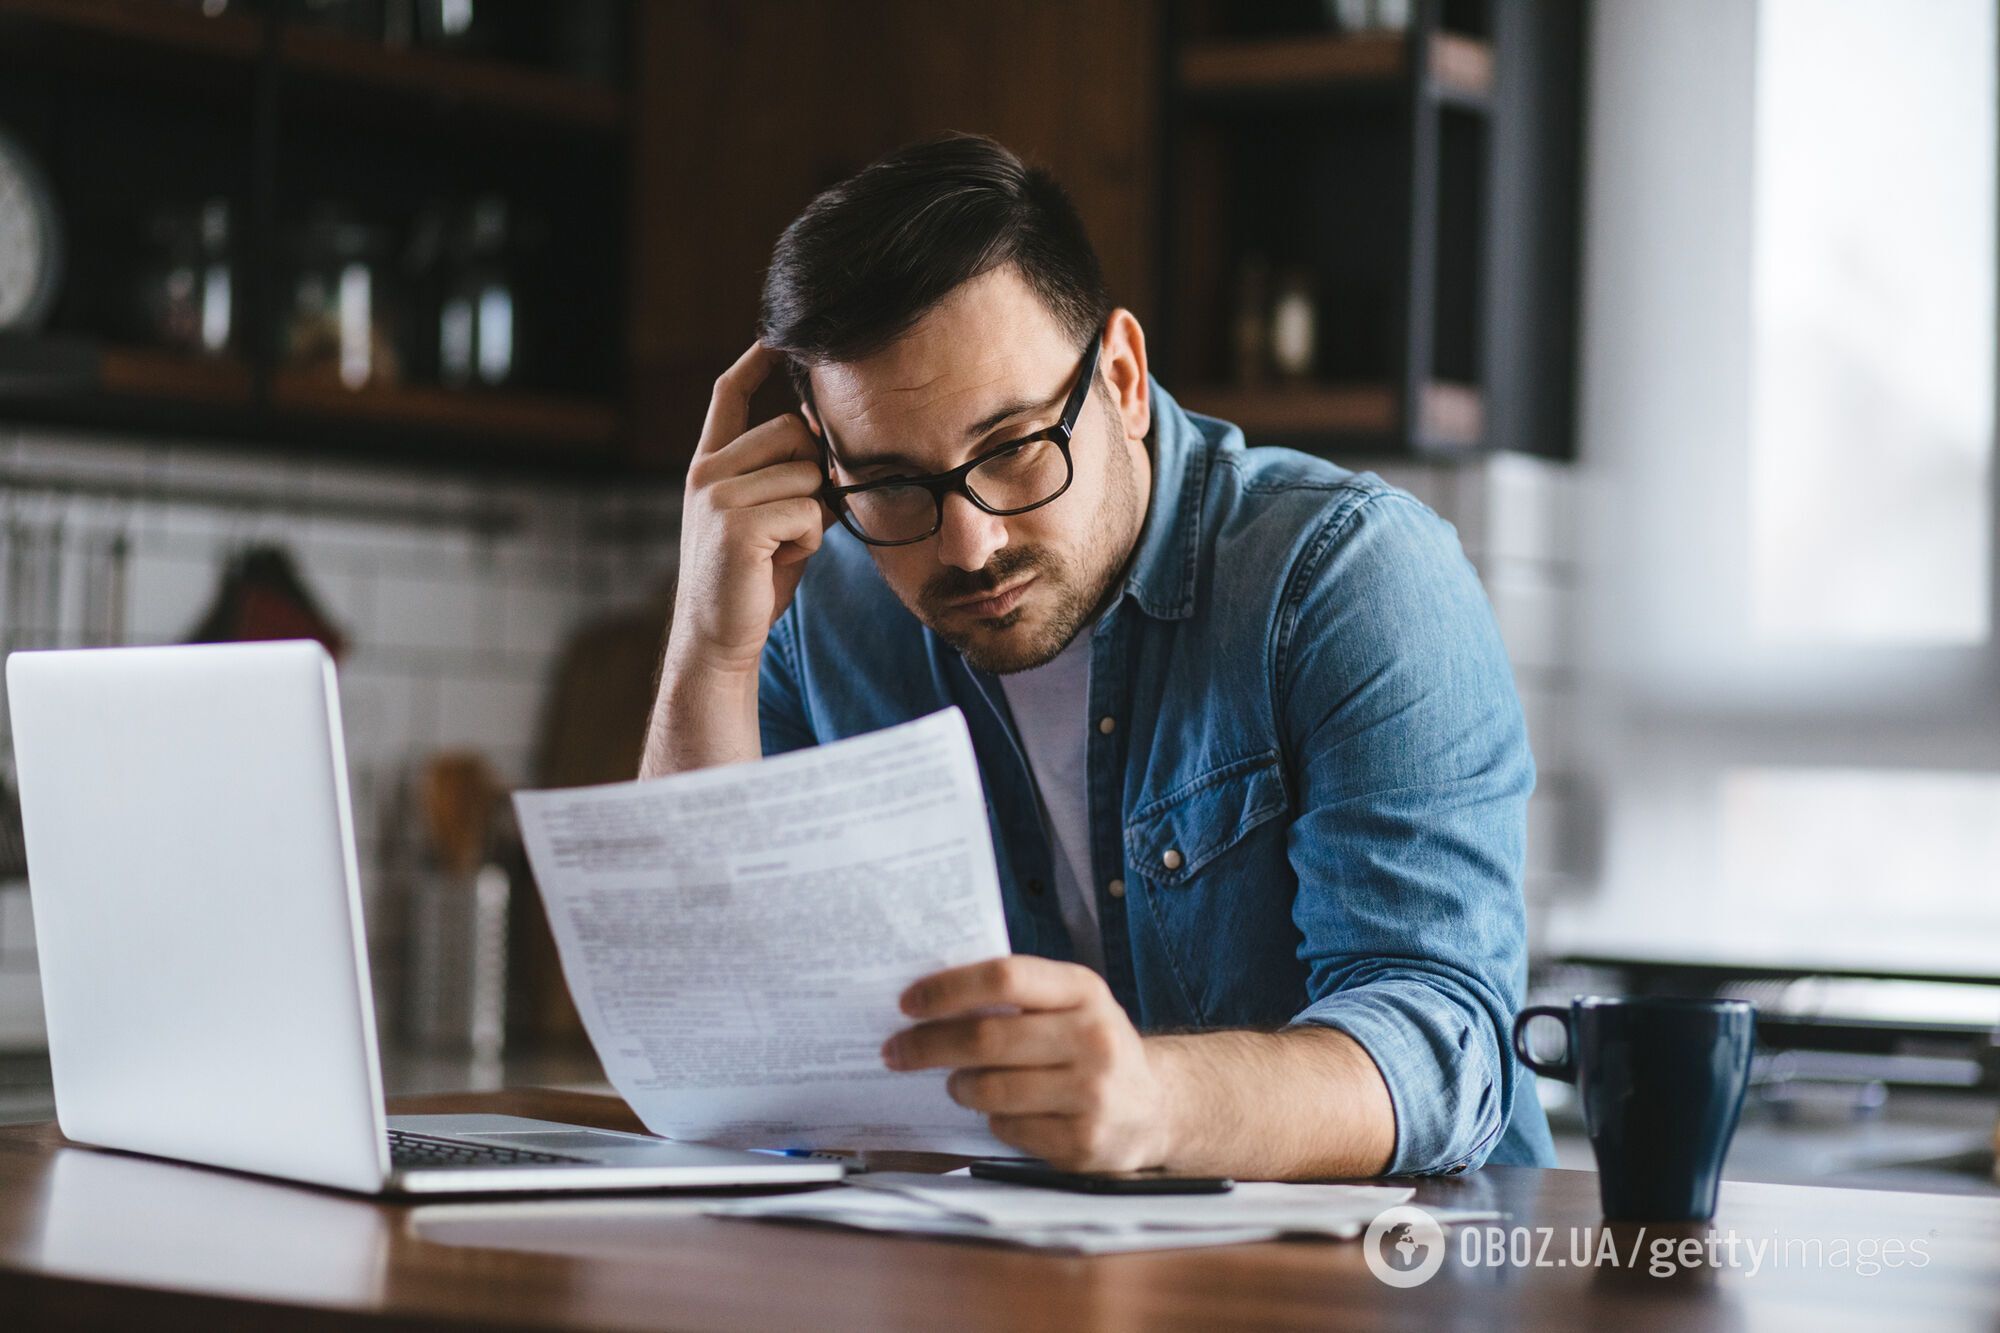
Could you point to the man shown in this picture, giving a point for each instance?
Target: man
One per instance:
(1256, 771)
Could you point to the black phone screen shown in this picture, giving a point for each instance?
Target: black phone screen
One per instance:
(1100, 1182)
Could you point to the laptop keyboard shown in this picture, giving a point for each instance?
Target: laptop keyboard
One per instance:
(421, 1150)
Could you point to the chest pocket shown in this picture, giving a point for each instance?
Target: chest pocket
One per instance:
(1170, 839)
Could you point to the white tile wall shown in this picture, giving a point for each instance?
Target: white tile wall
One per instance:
(452, 634)
(1536, 614)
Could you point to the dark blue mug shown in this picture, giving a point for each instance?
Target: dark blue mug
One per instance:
(1662, 1084)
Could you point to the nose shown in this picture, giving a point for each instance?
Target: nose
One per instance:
(968, 536)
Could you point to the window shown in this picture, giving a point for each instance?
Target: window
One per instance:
(1787, 422)
(1872, 321)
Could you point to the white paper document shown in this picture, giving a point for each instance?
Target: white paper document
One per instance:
(968, 1208)
(870, 1210)
(1335, 1210)
(736, 938)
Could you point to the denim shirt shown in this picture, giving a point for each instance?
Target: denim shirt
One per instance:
(1308, 773)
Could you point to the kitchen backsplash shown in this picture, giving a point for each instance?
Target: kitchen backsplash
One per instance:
(455, 597)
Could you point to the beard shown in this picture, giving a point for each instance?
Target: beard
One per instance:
(1074, 590)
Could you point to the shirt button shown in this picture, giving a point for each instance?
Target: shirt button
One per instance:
(1107, 725)
(1035, 887)
(1172, 859)
(1116, 888)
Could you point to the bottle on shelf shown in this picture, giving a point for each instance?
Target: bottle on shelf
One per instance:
(476, 319)
(1295, 326)
(186, 292)
(341, 320)
(1248, 345)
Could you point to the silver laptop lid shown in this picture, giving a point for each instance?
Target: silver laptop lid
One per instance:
(197, 906)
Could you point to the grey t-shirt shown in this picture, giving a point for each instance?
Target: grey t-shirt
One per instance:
(1050, 706)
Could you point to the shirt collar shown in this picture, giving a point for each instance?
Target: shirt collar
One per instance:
(1162, 578)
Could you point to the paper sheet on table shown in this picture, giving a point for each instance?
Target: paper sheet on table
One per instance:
(736, 938)
(955, 1207)
(866, 1210)
(1336, 1210)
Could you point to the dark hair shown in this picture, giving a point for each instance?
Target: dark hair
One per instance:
(870, 256)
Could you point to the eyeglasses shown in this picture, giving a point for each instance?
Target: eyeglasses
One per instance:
(1013, 478)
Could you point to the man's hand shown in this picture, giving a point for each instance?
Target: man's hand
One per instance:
(1066, 1077)
(751, 518)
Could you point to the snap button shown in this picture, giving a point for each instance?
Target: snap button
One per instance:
(1107, 725)
(1171, 860)
(1116, 888)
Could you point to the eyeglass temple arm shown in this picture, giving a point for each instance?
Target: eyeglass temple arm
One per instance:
(1074, 407)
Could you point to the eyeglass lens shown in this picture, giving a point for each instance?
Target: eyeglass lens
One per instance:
(1020, 478)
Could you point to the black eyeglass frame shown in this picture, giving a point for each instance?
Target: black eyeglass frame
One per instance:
(941, 484)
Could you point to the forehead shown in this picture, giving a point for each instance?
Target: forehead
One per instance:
(990, 343)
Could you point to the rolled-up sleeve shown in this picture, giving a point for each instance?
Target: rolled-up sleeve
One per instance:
(1410, 761)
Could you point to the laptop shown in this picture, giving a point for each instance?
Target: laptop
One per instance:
(203, 961)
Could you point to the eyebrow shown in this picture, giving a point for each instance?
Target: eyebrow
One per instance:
(976, 431)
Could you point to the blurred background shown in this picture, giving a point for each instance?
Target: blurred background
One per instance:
(392, 323)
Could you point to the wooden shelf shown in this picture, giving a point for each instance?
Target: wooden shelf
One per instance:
(590, 424)
(60, 366)
(150, 23)
(1451, 416)
(141, 372)
(486, 85)
(156, 28)
(1299, 409)
(38, 365)
(1460, 67)
(223, 391)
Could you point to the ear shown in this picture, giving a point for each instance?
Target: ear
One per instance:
(1123, 364)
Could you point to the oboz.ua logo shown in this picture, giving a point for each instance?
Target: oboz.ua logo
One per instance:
(1404, 1246)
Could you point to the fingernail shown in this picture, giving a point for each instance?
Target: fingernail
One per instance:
(892, 1054)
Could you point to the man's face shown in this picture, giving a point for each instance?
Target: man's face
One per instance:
(1009, 593)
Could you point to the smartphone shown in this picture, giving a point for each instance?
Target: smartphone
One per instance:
(1100, 1182)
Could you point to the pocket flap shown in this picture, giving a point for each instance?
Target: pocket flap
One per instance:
(1171, 838)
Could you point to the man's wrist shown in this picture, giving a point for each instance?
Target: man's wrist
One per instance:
(706, 714)
(1176, 1070)
(694, 666)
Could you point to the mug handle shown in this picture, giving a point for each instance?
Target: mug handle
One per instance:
(1564, 1069)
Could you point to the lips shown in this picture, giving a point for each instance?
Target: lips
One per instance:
(995, 604)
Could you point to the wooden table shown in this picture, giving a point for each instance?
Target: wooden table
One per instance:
(96, 1239)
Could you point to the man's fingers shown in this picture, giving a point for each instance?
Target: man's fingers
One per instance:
(729, 404)
(777, 523)
(1053, 1138)
(779, 481)
(1020, 980)
(782, 439)
(804, 545)
(1055, 1091)
(984, 1041)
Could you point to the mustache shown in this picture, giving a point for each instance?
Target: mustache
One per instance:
(1007, 565)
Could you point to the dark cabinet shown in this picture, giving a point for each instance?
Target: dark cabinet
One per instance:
(331, 225)
(1370, 221)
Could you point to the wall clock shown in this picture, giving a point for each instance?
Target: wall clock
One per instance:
(30, 240)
